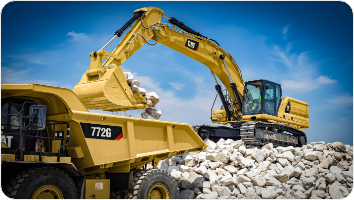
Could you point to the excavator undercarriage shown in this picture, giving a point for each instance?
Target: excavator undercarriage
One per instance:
(254, 133)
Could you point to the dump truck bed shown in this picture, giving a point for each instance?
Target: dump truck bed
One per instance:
(102, 142)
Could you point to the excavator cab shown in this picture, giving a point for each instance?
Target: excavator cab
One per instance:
(261, 97)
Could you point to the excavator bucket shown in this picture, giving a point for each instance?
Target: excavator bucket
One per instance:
(107, 89)
(104, 86)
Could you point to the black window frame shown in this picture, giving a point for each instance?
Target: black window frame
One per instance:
(262, 110)
(11, 102)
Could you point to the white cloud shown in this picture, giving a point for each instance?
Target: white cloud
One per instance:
(290, 60)
(307, 84)
(285, 31)
(177, 86)
(26, 59)
(301, 85)
(77, 36)
(325, 80)
(343, 100)
(301, 73)
(11, 76)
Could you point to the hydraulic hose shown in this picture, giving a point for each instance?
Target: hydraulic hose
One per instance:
(232, 84)
(129, 23)
(181, 25)
(154, 24)
(120, 32)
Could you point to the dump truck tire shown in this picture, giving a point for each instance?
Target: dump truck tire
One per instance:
(117, 195)
(46, 182)
(153, 184)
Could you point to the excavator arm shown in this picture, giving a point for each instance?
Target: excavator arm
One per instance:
(104, 87)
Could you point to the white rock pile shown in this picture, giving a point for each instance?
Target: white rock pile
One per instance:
(151, 97)
(229, 170)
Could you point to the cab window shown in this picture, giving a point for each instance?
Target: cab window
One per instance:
(9, 119)
(277, 97)
(269, 103)
(252, 98)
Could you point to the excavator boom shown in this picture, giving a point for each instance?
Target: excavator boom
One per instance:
(103, 86)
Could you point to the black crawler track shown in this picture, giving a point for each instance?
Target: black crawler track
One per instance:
(278, 134)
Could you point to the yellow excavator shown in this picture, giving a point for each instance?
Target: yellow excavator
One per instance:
(52, 147)
(254, 111)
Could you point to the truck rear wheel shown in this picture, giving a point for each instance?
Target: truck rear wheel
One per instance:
(42, 183)
(153, 184)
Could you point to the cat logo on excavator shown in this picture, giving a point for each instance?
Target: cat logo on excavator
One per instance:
(192, 44)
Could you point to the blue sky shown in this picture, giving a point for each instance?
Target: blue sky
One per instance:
(305, 46)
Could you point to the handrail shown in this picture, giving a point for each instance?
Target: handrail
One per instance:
(40, 137)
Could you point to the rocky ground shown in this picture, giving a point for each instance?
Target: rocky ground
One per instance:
(229, 170)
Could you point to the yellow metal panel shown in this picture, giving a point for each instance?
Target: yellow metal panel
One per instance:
(48, 159)
(113, 150)
(131, 139)
(97, 189)
(65, 159)
(55, 146)
(65, 95)
(169, 138)
(288, 121)
(155, 137)
(120, 169)
(8, 157)
(35, 158)
(77, 138)
(75, 152)
(183, 139)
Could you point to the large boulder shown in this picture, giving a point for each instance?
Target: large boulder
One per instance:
(214, 165)
(212, 195)
(189, 161)
(241, 188)
(334, 190)
(211, 145)
(310, 155)
(184, 168)
(259, 181)
(338, 146)
(185, 184)
(231, 169)
(226, 180)
(193, 176)
(269, 194)
(245, 162)
(311, 172)
(259, 155)
(222, 190)
(187, 194)
(198, 182)
(176, 175)
(237, 144)
(223, 156)
(335, 169)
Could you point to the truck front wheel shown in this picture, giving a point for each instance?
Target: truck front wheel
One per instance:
(153, 184)
(42, 183)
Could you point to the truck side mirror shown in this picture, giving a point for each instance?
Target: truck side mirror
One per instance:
(38, 114)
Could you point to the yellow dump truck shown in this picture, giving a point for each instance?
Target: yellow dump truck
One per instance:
(53, 147)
